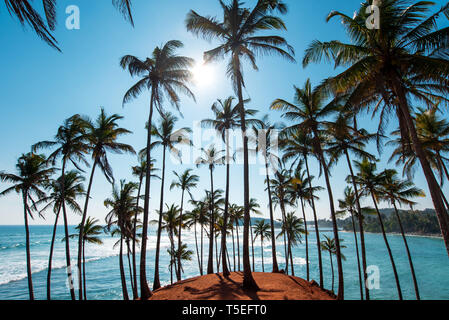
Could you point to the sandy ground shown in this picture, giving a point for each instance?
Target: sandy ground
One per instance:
(216, 287)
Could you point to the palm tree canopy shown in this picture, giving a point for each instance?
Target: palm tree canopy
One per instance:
(186, 181)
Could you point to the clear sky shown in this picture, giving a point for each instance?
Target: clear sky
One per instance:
(41, 87)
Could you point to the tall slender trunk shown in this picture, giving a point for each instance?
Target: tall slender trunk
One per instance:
(238, 242)
(396, 277)
(157, 283)
(442, 214)
(307, 239)
(27, 245)
(409, 256)
(226, 210)
(261, 252)
(233, 247)
(358, 256)
(202, 253)
(217, 255)
(135, 288)
(315, 219)
(178, 273)
(252, 243)
(84, 270)
(291, 257)
(196, 246)
(210, 265)
(340, 295)
(332, 268)
(81, 232)
(360, 219)
(50, 258)
(273, 237)
(129, 265)
(145, 291)
(286, 235)
(122, 271)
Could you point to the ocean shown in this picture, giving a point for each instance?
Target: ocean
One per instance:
(103, 277)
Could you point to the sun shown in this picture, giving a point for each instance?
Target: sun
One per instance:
(203, 74)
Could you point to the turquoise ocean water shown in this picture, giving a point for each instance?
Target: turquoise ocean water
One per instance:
(103, 277)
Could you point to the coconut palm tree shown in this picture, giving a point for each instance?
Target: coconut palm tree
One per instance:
(198, 215)
(186, 182)
(71, 146)
(262, 230)
(253, 208)
(166, 136)
(183, 252)
(211, 158)
(310, 109)
(32, 175)
(227, 117)
(236, 214)
(164, 74)
(329, 245)
(404, 59)
(73, 188)
(24, 12)
(123, 208)
(239, 35)
(370, 183)
(91, 232)
(294, 228)
(101, 136)
(400, 192)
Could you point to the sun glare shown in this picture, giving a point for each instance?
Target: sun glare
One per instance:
(203, 75)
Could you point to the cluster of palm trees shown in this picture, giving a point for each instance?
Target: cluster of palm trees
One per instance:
(386, 71)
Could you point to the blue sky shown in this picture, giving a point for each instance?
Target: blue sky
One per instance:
(41, 87)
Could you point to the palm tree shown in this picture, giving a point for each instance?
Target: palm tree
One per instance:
(371, 185)
(166, 136)
(165, 73)
(102, 136)
(227, 117)
(32, 175)
(237, 213)
(91, 232)
(397, 191)
(43, 27)
(294, 228)
(329, 245)
(186, 182)
(297, 146)
(71, 146)
(198, 216)
(239, 37)
(123, 208)
(211, 158)
(253, 208)
(348, 204)
(183, 252)
(311, 110)
(404, 59)
(262, 230)
(73, 188)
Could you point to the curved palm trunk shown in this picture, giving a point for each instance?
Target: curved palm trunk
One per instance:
(210, 265)
(273, 237)
(129, 265)
(360, 218)
(252, 243)
(291, 257)
(261, 252)
(340, 295)
(178, 273)
(196, 246)
(217, 255)
(442, 214)
(81, 232)
(315, 220)
(307, 239)
(358, 256)
(238, 242)
(135, 289)
(396, 277)
(122, 271)
(145, 291)
(50, 258)
(84, 270)
(286, 236)
(157, 283)
(226, 211)
(27, 245)
(332, 268)
(409, 256)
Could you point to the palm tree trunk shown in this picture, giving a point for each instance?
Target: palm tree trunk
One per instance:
(307, 239)
(332, 268)
(233, 247)
(202, 253)
(84, 271)
(217, 255)
(286, 240)
(210, 265)
(122, 271)
(358, 257)
(409, 256)
(226, 210)
(81, 232)
(252, 242)
(340, 295)
(156, 282)
(238, 242)
(27, 245)
(50, 258)
(291, 257)
(129, 265)
(360, 218)
(261, 252)
(178, 273)
(196, 246)
(145, 291)
(135, 289)
(273, 237)
(396, 277)
(443, 217)
(315, 219)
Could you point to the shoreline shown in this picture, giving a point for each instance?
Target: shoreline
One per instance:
(399, 234)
